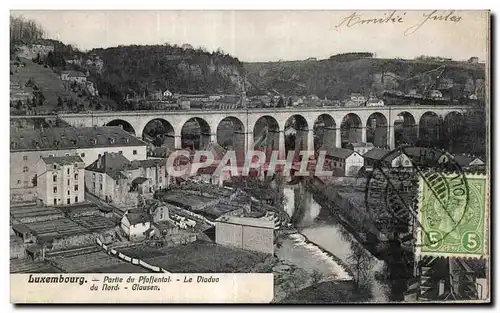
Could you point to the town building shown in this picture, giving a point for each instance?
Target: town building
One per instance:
(249, 233)
(355, 100)
(360, 147)
(60, 180)
(343, 162)
(136, 223)
(435, 94)
(29, 145)
(73, 76)
(469, 162)
(167, 94)
(374, 102)
(386, 158)
(115, 179)
(158, 210)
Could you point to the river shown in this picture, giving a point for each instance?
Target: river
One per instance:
(321, 244)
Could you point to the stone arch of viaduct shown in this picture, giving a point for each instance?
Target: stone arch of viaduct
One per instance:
(248, 118)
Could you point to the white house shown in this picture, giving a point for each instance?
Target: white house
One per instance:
(469, 161)
(167, 93)
(355, 100)
(74, 76)
(60, 180)
(435, 94)
(136, 224)
(343, 162)
(386, 158)
(374, 102)
(360, 147)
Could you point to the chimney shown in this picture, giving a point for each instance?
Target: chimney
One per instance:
(99, 161)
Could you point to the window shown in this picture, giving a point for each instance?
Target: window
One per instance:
(76, 176)
(76, 199)
(76, 187)
(160, 179)
(55, 189)
(93, 186)
(82, 154)
(54, 178)
(161, 216)
(25, 157)
(134, 152)
(93, 176)
(100, 177)
(25, 169)
(55, 166)
(69, 183)
(68, 201)
(55, 201)
(19, 182)
(100, 186)
(66, 154)
(67, 171)
(68, 192)
(51, 155)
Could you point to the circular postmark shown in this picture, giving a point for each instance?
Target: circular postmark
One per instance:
(392, 194)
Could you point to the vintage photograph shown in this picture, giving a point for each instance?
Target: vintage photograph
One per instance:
(347, 153)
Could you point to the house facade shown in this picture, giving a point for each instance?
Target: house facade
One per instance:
(386, 158)
(136, 224)
(73, 76)
(360, 147)
(355, 100)
(436, 94)
(28, 146)
(343, 162)
(374, 102)
(60, 180)
(115, 179)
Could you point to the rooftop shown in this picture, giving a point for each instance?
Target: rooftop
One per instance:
(64, 160)
(336, 152)
(466, 160)
(111, 164)
(138, 216)
(73, 73)
(71, 138)
(379, 154)
(263, 222)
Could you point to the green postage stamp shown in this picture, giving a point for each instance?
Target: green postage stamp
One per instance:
(453, 215)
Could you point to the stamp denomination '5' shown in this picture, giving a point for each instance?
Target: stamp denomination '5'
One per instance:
(453, 228)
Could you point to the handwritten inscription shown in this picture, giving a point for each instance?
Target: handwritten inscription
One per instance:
(434, 16)
(396, 18)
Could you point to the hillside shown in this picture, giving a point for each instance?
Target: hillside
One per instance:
(336, 79)
(30, 77)
(137, 71)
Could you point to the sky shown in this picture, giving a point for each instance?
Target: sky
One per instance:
(254, 36)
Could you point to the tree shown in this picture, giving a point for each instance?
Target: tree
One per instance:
(281, 103)
(316, 277)
(361, 263)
